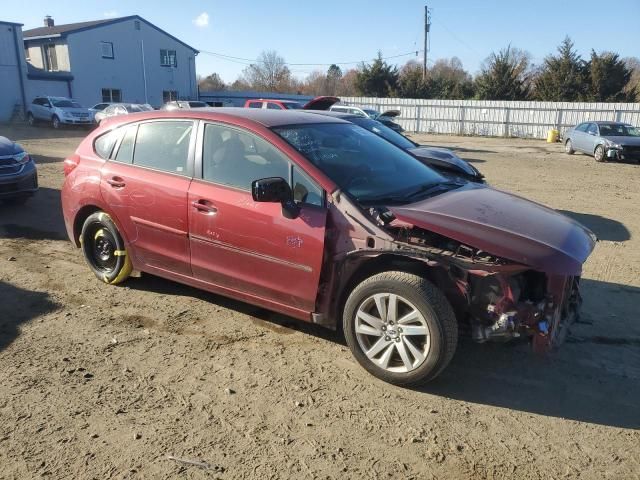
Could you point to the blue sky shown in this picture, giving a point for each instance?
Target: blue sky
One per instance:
(349, 30)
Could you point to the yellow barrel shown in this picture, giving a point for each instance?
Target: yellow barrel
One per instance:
(553, 136)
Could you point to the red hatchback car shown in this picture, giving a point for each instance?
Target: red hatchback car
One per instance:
(322, 220)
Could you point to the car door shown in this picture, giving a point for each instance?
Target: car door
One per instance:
(246, 246)
(591, 139)
(578, 136)
(146, 184)
(41, 109)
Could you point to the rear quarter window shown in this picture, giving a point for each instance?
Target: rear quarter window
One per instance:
(103, 145)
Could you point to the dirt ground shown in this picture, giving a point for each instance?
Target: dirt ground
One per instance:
(103, 382)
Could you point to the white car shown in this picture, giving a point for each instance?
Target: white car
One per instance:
(116, 109)
(59, 111)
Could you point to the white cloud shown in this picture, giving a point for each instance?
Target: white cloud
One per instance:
(110, 14)
(201, 20)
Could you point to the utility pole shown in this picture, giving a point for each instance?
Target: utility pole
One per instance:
(427, 28)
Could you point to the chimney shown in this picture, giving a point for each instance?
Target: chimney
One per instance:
(48, 21)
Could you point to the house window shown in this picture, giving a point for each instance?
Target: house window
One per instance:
(168, 58)
(27, 54)
(106, 49)
(50, 58)
(136, 24)
(111, 95)
(169, 96)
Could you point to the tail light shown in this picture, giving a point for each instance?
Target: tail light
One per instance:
(70, 164)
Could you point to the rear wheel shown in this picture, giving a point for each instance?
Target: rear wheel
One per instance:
(599, 154)
(568, 147)
(104, 249)
(31, 120)
(55, 122)
(400, 328)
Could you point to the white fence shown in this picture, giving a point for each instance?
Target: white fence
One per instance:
(496, 118)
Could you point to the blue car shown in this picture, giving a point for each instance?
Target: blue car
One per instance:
(18, 173)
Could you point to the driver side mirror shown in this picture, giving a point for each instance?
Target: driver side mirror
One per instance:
(275, 190)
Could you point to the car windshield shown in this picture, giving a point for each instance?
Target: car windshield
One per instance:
(384, 131)
(66, 104)
(371, 113)
(367, 167)
(618, 130)
(292, 105)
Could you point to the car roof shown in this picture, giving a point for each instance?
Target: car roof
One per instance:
(272, 100)
(604, 122)
(266, 118)
(333, 113)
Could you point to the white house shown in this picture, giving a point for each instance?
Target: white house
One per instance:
(13, 94)
(124, 59)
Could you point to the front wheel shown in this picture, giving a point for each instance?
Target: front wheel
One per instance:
(400, 328)
(599, 154)
(31, 120)
(104, 249)
(568, 147)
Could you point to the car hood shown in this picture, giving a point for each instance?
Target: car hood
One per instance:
(320, 103)
(506, 226)
(445, 159)
(7, 147)
(625, 140)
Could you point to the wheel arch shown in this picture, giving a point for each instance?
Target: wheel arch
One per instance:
(356, 268)
(81, 216)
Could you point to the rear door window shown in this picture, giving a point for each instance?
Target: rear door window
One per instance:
(274, 106)
(125, 149)
(163, 146)
(255, 105)
(592, 129)
(582, 127)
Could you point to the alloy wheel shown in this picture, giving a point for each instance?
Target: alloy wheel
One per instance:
(392, 332)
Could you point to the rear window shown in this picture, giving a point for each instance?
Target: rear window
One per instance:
(255, 105)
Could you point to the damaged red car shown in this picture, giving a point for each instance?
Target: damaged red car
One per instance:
(322, 220)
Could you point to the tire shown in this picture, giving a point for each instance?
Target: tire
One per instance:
(55, 122)
(599, 154)
(104, 249)
(31, 120)
(568, 147)
(410, 358)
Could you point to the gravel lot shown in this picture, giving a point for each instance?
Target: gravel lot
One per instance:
(107, 382)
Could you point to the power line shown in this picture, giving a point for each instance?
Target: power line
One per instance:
(249, 61)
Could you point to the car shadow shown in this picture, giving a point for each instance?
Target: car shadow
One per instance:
(594, 377)
(604, 228)
(38, 219)
(18, 307)
(265, 318)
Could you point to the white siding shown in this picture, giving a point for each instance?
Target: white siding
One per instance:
(125, 71)
(496, 118)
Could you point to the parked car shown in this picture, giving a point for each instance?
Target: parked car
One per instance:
(18, 173)
(385, 117)
(98, 107)
(604, 140)
(441, 159)
(318, 103)
(322, 220)
(59, 111)
(184, 105)
(116, 109)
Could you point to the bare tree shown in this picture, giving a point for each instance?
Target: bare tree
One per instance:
(269, 73)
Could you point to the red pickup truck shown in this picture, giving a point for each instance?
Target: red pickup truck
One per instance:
(318, 103)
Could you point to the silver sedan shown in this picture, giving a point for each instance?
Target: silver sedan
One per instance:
(116, 109)
(604, 140)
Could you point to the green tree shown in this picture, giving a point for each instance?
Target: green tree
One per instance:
(378, 79)
(608, 77)
(633, 87)
(504, 76)
(562, 77)
(332, 80)
(411, 82)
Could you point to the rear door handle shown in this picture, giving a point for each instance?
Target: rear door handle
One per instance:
(116, 182)
(204, 206)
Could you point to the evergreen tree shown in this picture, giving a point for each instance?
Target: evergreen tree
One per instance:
(563, 77)
(608, 77)
(504, 76)
(378, 79)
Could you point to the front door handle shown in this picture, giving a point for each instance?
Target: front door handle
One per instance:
(204, 206)
(116, 182)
